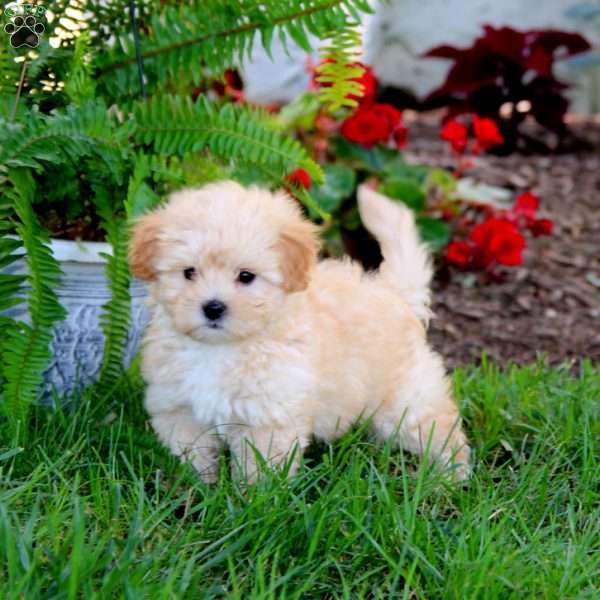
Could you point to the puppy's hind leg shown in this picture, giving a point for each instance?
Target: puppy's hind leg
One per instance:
(190, 441)
(424, 418)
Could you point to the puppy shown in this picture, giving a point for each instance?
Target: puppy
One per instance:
(254, 345)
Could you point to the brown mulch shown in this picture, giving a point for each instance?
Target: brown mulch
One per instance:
(551, 304)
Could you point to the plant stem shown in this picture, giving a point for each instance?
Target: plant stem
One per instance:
(13, 116)
(138, 49)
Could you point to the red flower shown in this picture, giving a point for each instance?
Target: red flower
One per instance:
(391, 112)
(459, 253)
(497, 240)
(400, 136)
(368, 82)
(371, 123)
(486, 133)
(456, 134)
(541, 227)
(526, 205)
(299, 177)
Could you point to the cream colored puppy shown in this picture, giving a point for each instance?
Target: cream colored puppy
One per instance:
(254, 345)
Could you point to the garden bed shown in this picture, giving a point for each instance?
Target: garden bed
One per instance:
(549, 305)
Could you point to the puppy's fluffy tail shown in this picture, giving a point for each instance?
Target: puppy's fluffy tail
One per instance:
(406, 262)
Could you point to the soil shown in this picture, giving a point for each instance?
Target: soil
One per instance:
(86, 227)
(550, 305)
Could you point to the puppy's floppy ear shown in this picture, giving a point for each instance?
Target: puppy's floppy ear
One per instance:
(297, 247)
(143, 246)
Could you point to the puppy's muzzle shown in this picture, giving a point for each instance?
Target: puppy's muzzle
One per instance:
(214, 309)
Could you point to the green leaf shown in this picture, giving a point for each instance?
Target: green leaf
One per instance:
(434, 232)
(379, 160)
(405, 190)
(367, 158)
(236, 134)
(300, 113)
(143, 199)
(442, 179)
(340, 181)
(25, 349)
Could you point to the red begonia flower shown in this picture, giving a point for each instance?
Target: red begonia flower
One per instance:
(459, 253)
(299, 177)
(541, 227)
(456, 134)
(486, 132)
(400, 136)
(371, 123)
(497, 240)
(526, 205)
(391, 112)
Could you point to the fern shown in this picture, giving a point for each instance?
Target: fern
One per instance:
(133, 153)
(9, 71)
(68, 135)
(175, 125)
(80, 86)
(337, 72)
(216, 34)
(25, 348)
(116, 312)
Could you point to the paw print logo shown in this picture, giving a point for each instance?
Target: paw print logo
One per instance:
(24, 31)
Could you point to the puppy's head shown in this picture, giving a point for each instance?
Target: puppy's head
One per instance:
(223, 259)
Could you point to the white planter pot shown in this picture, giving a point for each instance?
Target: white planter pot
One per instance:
(78, 342)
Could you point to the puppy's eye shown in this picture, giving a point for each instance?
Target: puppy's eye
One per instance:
(189, 273)
(246, 277)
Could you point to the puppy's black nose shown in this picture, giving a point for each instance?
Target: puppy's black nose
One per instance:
(214, 309)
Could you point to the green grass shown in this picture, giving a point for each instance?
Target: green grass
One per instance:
(93, 507)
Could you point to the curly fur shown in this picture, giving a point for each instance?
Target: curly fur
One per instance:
(303, 350)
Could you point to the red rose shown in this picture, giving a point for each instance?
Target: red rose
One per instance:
(541, 227)
(526, 205)
(371, 123)
(299, 177)
(497, 240)
(459, 253)
(456, 134)
(486, 133)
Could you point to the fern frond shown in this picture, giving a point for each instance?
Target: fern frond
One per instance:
(338, 72)
(85, 130)
(216, 34)
(80, 86)
(176, 125)
(26, 347)
(116, 313)
(140, 196)
(9, 71)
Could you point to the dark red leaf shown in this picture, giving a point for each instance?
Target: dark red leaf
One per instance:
(553, 39)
